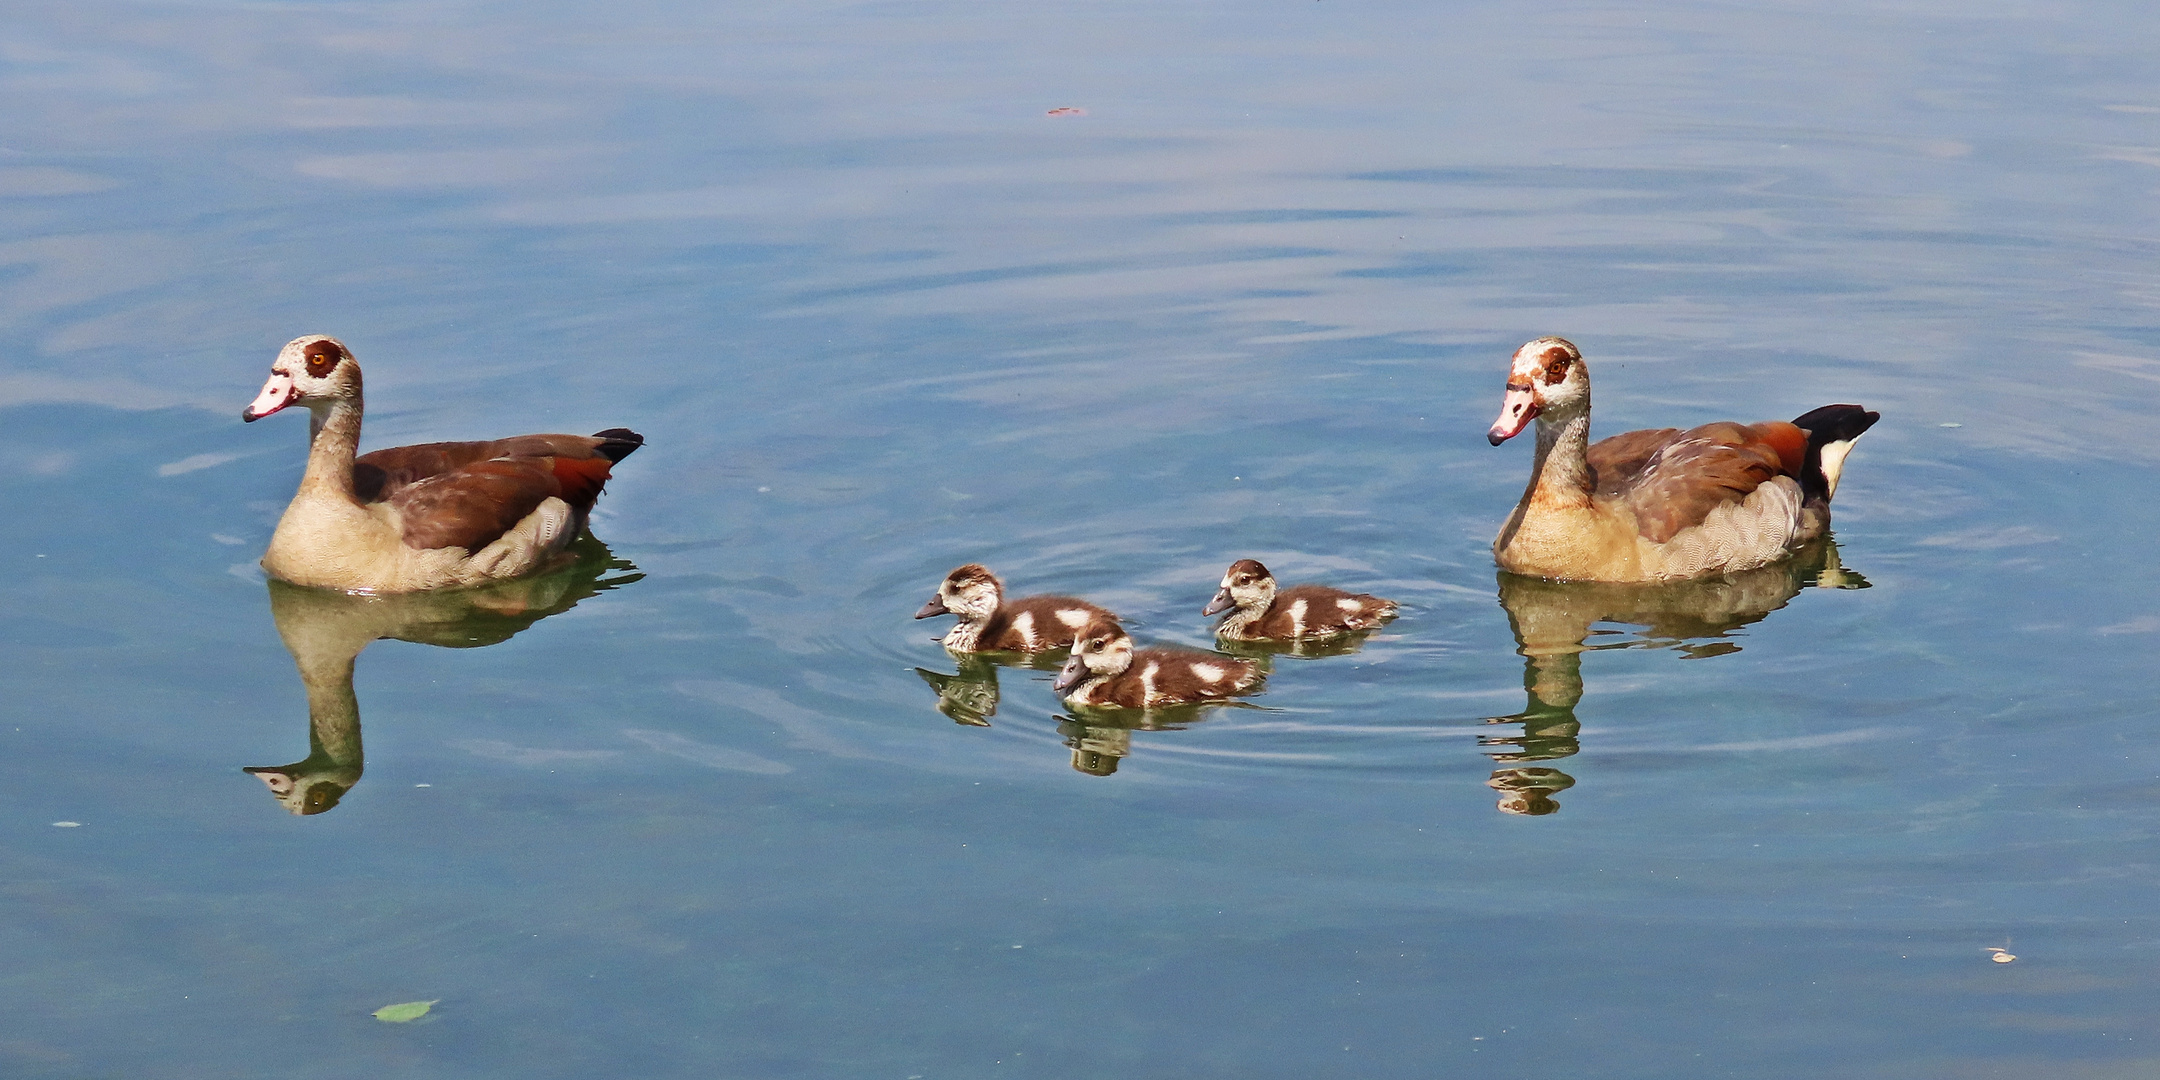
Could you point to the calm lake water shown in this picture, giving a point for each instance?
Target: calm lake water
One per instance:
(700, 806)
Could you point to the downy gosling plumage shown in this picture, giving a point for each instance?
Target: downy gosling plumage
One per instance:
(1263, 612)
(990, 623)
(1105, 669)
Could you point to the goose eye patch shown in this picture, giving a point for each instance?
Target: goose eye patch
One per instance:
(1556, 369)
(321, 358)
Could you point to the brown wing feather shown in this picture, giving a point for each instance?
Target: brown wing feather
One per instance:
(381, 474)
(1616, 462)
(1692, 474)
(471, 507)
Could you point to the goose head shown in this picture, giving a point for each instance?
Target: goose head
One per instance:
(1546, 379)
(1103, 649)
(971, 592)
(1247, 586)
(315, 370)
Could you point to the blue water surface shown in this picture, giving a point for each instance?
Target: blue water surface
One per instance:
(1105, 296)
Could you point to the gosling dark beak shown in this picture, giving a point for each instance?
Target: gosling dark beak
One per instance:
(936, 606)
(1070, 675)
(1222, 602)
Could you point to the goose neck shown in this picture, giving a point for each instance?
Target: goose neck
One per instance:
(333, 442)
(1562, 472)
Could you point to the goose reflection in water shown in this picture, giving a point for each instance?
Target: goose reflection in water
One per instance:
(970, 695)
(1555, 622)
(326, 630)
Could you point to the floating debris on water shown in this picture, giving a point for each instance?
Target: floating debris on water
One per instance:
(404, 1012)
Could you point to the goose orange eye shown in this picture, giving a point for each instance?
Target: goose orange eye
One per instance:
(322, 357)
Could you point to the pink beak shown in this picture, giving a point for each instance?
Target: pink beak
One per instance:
(1516, 411)
(276, 394)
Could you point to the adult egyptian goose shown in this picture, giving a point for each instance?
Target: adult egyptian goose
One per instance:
(1266, 613)
(990, 623)
(1105, 670)
(427, 516)
(1663, 505)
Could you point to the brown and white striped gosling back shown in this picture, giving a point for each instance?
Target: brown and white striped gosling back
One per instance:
(1106, 670)
(1263, 612)
(990, 623)
(420, 517)
(1665, 504)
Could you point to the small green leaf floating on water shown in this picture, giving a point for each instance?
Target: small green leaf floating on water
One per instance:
(404, 1013)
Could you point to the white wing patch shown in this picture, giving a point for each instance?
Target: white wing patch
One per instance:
(1024, 625)
(1349, 605)
(1297, 617)
(1073, 617)
(1211, 672)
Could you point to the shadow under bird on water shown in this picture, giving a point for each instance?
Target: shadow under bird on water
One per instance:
(326, 630)
(1555, 622)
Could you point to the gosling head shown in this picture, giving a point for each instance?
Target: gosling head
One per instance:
(971, 592)
(1104, 648)
(1246, 586)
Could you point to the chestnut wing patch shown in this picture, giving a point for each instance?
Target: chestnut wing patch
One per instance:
(382, 474)
(1693, 473)
(1787, 440)
(471, 507)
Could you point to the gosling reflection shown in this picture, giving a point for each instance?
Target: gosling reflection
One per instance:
(1101, 738)
(326, 630)
(1264, 653)
(1555, 622)
(970, 696)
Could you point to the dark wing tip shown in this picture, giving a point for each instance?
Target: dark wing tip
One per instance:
(617, 443)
